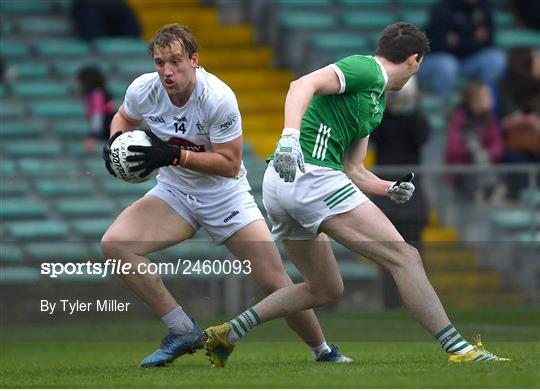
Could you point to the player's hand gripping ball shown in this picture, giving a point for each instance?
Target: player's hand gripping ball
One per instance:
(119, 152)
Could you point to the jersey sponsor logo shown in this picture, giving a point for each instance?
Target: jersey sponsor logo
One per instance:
(321, 143)
(186, 144)
(201, 129)
(229, 217)
(231, 120)
(156, 119)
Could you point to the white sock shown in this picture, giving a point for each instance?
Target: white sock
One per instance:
(318, 351)
(177, 321)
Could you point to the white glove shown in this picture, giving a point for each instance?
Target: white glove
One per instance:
(400, 193)
(288, 155)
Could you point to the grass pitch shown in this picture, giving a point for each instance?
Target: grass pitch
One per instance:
(390, 350)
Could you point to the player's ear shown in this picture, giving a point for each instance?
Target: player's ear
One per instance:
(195, 60)
(413, 59)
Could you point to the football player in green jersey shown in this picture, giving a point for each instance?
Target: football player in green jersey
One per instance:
(315, 185)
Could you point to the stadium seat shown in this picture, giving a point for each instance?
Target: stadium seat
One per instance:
(58, 252)
(43, 25)
(70, 67)
(58, 109)
(36, 230)
(14, 187)
(514, 219)
(503, 19)
(20, 149)
(42, 89)
(351, 4)
(32, 70)
(78, 207)
(19, 275)
(22, 208)
(124, 202)
(114, 187)
(91, 228)
(135, 67)
(7, 168)
(24, 7)
(73, 128)
(21, 128)
(49, 167)
(94, 166)
(326, 48)
(367, 20)
(418, 17)
(417, 3)
(131, 47)
(10, 253)
(118, 89)
(10, 110)
(11, 49)
(64, 187)
(77, 149)
(530, 197)
(507, 39)
(62, 47)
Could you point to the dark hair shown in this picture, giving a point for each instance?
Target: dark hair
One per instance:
(174, 32)
(400, 40)
(90, 78)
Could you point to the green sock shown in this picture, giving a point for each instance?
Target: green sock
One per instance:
(452, 342)
(242, 324)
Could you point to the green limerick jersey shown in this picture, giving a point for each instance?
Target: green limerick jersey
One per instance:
(332, 123)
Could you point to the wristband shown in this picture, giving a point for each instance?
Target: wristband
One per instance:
(291, 132)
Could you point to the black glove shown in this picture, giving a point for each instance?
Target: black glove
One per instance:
(107, 152)
(158, 155)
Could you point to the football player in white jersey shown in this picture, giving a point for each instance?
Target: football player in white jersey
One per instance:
(196, 138)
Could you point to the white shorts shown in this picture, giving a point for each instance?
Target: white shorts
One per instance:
(296, 210)
(221, 215)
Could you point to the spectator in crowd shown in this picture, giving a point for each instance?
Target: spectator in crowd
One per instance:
(461, 35)
(104, 18)
(98, 103)
(398, 140)
(528, 12)
(474, 136)
(520, 112)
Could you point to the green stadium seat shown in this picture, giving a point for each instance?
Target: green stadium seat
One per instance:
(307, 20)
(49, 167)
(118, 89)
(10, 253)
(503, 19)
(26, 7)
(514, 219)
(21, 129)
(43, 89)
(79, 207)
(58, 109)
(305, 5)
(135, 67)
(73, 128)
(10, 110)
(58, 252)
(124, 202)
(352, 270)
(14, 187)
(7, 168)
(19, 149)
(121, 47)
(69, 68)
(367, 19)
(94, 166)
(11, 49)
(114, 187)
(32, 70)
(21, 208)
(35, 230)
(419, 18)
(339, 42)
(64, 187)
(19, 275)
(43, 25)
(2, 91)
(507, 39)
(61, 47)
(78, 149)
(530, 196)
(417, 3)
(91, 228)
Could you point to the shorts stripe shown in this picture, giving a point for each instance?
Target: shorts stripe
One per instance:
(335, 203)
(337, 193)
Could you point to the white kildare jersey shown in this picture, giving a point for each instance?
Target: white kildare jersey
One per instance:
(211, 115)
